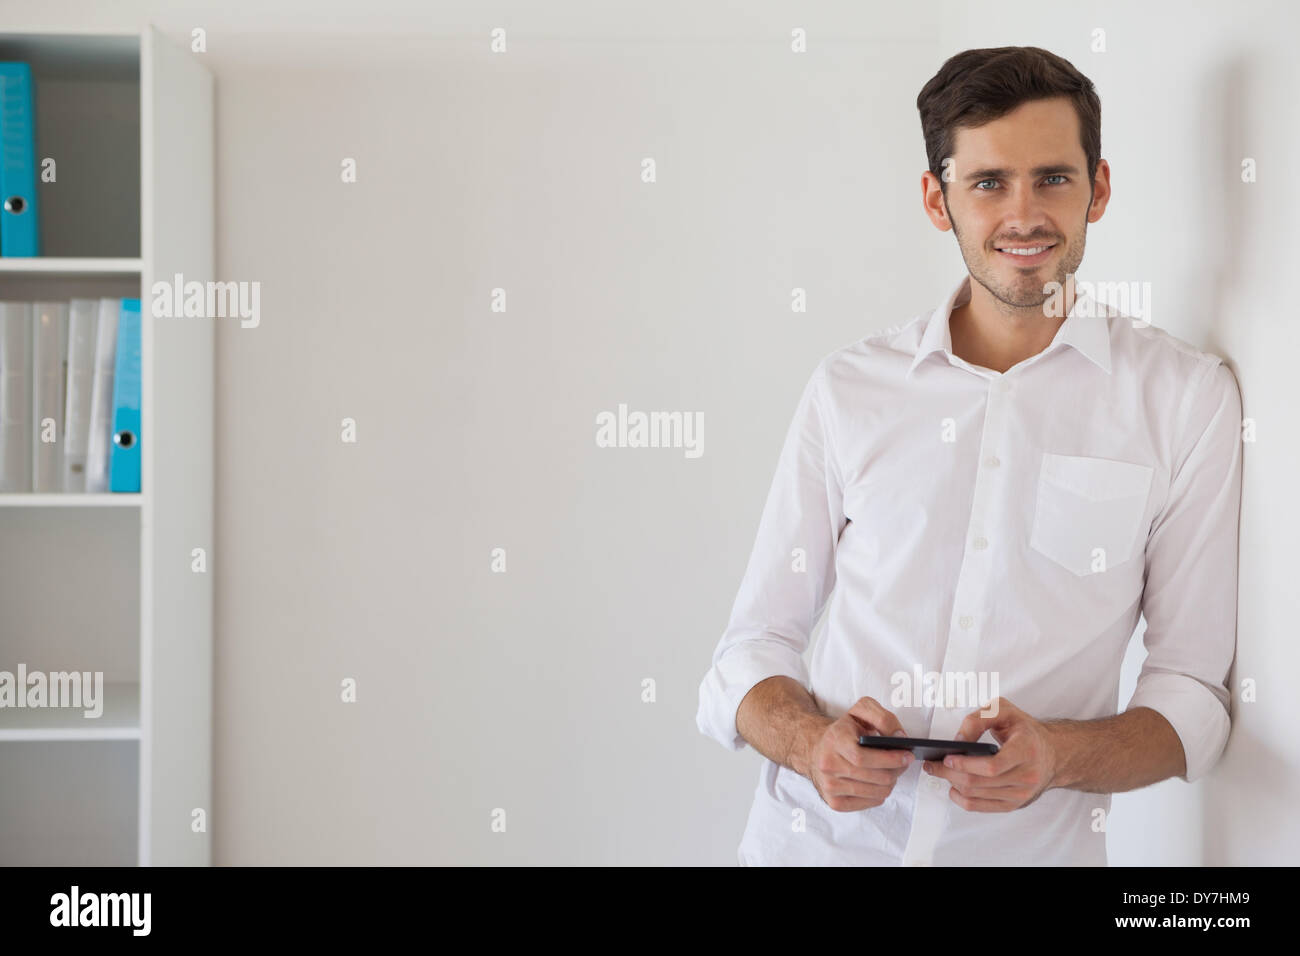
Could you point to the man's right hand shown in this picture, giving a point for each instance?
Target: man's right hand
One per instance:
(852, 777)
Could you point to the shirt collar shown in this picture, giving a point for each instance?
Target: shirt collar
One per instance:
(1085, 328)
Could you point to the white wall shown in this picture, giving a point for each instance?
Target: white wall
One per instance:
(523, 690)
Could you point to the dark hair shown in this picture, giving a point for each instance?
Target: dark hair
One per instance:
(978, 86)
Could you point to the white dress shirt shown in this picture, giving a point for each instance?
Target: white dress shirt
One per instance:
(962, 521)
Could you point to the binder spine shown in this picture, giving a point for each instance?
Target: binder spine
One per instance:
(15, 397)
(124, 460)
(19, 233)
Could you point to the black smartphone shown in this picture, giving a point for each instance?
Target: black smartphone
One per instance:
(929, 749)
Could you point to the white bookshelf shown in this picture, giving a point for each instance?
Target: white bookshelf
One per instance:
(103, 582)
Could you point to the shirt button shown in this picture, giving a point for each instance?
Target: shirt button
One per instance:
(965, 620)
(936, 783)
(992, 461)
(981, 544)
(918, 863)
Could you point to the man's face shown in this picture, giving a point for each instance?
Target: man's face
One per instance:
(1019, 182)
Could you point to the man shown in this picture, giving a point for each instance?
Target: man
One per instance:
(989, 495)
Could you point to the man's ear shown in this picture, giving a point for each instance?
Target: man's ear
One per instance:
(1100, 191)
(934, 202)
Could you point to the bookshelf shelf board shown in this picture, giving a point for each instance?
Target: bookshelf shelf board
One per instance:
(119, 721)
(107, 500)
(70, 268)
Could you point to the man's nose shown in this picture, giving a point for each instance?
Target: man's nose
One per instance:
(1025, 211)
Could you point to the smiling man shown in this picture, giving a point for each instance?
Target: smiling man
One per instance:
(1001, 486)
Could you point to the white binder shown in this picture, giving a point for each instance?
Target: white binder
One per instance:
(101, 398)
(15, 396)
(83, 322)
(49, 352)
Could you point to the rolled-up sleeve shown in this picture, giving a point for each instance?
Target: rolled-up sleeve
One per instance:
(790, 575)
(1190, 599)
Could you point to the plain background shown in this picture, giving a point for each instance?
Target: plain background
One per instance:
(522, 690)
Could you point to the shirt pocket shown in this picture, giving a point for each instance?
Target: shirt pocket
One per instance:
(1088, 503)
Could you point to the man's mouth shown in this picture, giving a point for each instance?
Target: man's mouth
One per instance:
(1023, 255)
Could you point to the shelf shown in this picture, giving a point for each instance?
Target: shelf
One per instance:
(70, 804)
(76, 56)
(69, 268)
(87, 115)
(106, 500)
(119, 721)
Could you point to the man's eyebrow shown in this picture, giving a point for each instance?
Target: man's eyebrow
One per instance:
(1057, 169)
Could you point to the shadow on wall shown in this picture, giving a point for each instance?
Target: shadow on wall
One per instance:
(1220, 273)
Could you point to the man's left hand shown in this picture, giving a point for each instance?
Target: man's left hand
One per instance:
(1015, 776)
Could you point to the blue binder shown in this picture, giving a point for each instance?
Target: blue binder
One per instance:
(18, 219)
(124, 455)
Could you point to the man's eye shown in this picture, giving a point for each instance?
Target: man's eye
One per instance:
(1058, 176)
(982, 182)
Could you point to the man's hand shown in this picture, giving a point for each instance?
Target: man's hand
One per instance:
(1014, 777)
(847, 775)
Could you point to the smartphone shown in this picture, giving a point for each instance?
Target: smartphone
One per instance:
(929, 749)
